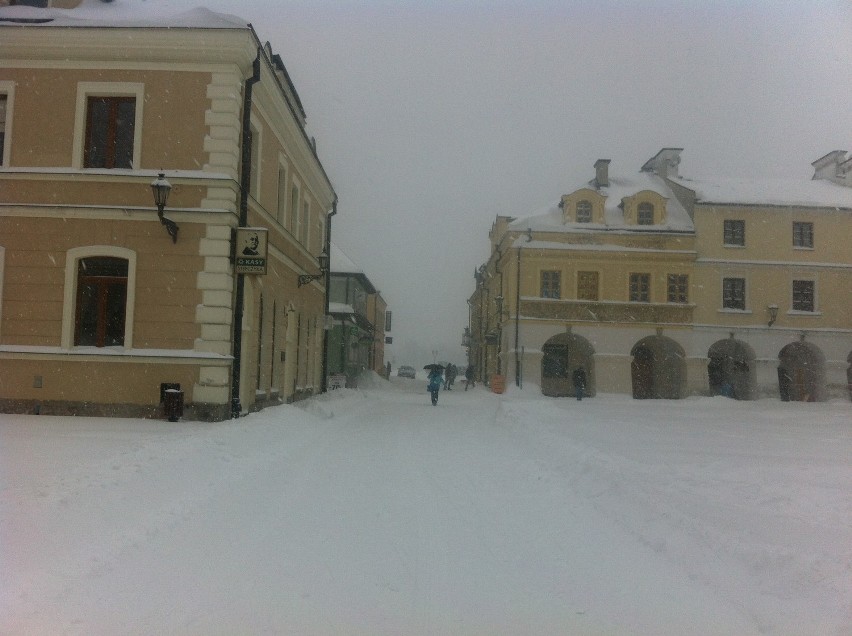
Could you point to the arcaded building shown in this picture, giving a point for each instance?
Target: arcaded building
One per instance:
(662, 286)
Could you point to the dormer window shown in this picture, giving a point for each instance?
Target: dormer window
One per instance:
(584, 212)
(645, 213)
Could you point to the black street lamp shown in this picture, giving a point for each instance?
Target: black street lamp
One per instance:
(304, 279)
(161, 188)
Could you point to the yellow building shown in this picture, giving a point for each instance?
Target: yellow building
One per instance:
(106, 302)
(663, 287)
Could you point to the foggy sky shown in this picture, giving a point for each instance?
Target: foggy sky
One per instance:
(432, 117)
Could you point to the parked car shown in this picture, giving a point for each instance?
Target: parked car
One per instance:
(406, 372)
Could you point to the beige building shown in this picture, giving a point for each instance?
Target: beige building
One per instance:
(106, 302)
(663, 287)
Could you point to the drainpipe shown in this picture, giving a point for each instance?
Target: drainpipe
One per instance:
(324, 379)
(245, 183)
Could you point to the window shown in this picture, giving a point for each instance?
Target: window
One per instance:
(255, 158)
(734, 233)
(677, 288)
(645, 214)
(803, 295)
(587, 285)
(550, 287)
(110, 131)
(304, 223)
(803, 234)
(282, 195)
(101, 302)
(733, 293)
(640, 288)
(584, 212)
(4, 99)
(294, 210)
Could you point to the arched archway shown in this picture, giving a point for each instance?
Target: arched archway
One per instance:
(731, 370)
(801, 372)
(561, 355)
(658, 370)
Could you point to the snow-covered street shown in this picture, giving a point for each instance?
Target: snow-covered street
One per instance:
(371, 512)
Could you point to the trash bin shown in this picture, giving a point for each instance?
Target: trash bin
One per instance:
(173, 404)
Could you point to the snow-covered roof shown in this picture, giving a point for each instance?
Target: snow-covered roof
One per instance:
(551, 219)
(119, 14)
(814, 193)
(341, 263)
(340, 308)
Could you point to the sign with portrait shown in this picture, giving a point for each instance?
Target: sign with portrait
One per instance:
(251, 250)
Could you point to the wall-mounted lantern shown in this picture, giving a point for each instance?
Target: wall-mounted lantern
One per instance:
(322, 259)
(773, 314)
(161, 188)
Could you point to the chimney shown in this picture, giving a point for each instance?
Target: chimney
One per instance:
(602, 173)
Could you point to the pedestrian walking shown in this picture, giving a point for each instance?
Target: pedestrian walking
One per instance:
(579, 378)
(469, 375)
(450, 374)
(436, 379)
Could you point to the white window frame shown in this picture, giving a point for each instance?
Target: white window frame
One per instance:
(746, 297)
(256, 160)
(106, 89)
(281, 211)
(7, 88)
(69, 301)
(801, 312)
(305, 223)
(295, 207)
(812, 235)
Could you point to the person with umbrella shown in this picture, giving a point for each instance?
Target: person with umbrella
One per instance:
(436, 379)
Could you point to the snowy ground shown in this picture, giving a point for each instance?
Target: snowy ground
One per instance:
(372, 512)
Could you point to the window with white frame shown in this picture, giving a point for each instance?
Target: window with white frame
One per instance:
(101, 304)
(733, 232)
(733, 293)
(305, 222)
(587, 285)
(803, 234)
(108, 125)
(803, 295)
(677, 288)
(281, 213)
(255, 158)
(550, 284)
(99, 297)
(294, 210)
(640, 288)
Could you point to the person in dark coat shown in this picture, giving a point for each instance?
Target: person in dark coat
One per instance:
(436, 379)
(450, 375)
(579, 378)
(469, 375)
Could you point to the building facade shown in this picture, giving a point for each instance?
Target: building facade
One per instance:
(664, 287)
(356, 323)
(105, 300)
